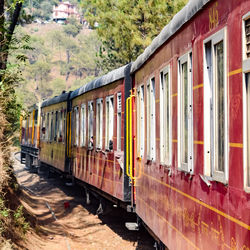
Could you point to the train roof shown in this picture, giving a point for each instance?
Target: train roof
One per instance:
(183, 16)
(110, 77)
(57, 99)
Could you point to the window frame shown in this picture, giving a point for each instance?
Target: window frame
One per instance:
(163, 117)
(56, 125)
(119, 125)
(107, 119)
(47, 131)
(90, 128)
(51, 126)
(151, 119)
(246, 123)
(76, 125)
(83, 123)
(141, 121)
(210, 120)
(99, 136)
(186, 58)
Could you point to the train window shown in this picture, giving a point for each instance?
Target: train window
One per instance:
(83, 125)
(64, 126)
(47, 128)
(247, 79)
(56, 126)
(60, 130)
(99, 114)
(246, 100)
(151, 119)
(185, 113)
(119, 120)
(246, 36)
(51, 126)
(165, 117)
(76, 127)
(43, 130)
(90, 124)
(215, 107)
(140, 121)
(109, 126)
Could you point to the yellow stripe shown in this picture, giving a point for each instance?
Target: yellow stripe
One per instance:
(198, 86)
(235, 72)
(157, 100)
(236, 145)
(173, 227)
(174, 94)
(174, 140)
(229, 217)
(199, 142)
(158, 139)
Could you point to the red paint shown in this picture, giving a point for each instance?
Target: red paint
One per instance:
(185, 213)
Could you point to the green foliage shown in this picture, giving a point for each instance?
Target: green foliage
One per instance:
(72, 28)
(20, 221)
(3, 210)
(127, 27)
(41, 9)
(59, 62)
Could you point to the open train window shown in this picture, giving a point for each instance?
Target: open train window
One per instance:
(56, 126)
(185, 113)
(247, 118)
(119, 120)
(151, 119)
(140, 121)
(99, 115)
(51, 126)
(246, 98)
(76, 127)
(83, 125)
(43, 129)
(47, 127)
(90, 124)
(215, 107)
(64, 126)
(165, 117)
(60, 124)
(109, 126)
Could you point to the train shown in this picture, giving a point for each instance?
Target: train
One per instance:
(167, 136)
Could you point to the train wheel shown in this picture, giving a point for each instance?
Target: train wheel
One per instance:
(159, 246)
(27, 161)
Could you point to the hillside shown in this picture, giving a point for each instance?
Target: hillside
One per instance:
(62, 58)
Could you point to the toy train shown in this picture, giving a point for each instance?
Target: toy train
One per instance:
(166, 136)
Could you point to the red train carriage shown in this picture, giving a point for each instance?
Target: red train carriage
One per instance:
(98, 116)
(55, 127)
(29, 138)
(191, 157)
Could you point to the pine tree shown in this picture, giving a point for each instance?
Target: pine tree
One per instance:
(127, 27)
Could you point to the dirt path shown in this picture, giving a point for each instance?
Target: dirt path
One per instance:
(75, 227)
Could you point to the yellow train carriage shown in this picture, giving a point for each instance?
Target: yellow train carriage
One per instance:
(29, 138)
(53, 139)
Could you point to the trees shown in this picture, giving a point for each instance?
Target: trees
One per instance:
(8, 22)
(40, 8)
(72, 28)
(127, 27)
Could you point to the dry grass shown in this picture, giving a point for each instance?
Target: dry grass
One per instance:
(12, 220)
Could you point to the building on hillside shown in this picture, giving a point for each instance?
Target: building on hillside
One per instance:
(64, 10)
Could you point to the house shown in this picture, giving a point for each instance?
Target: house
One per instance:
(64, 10)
